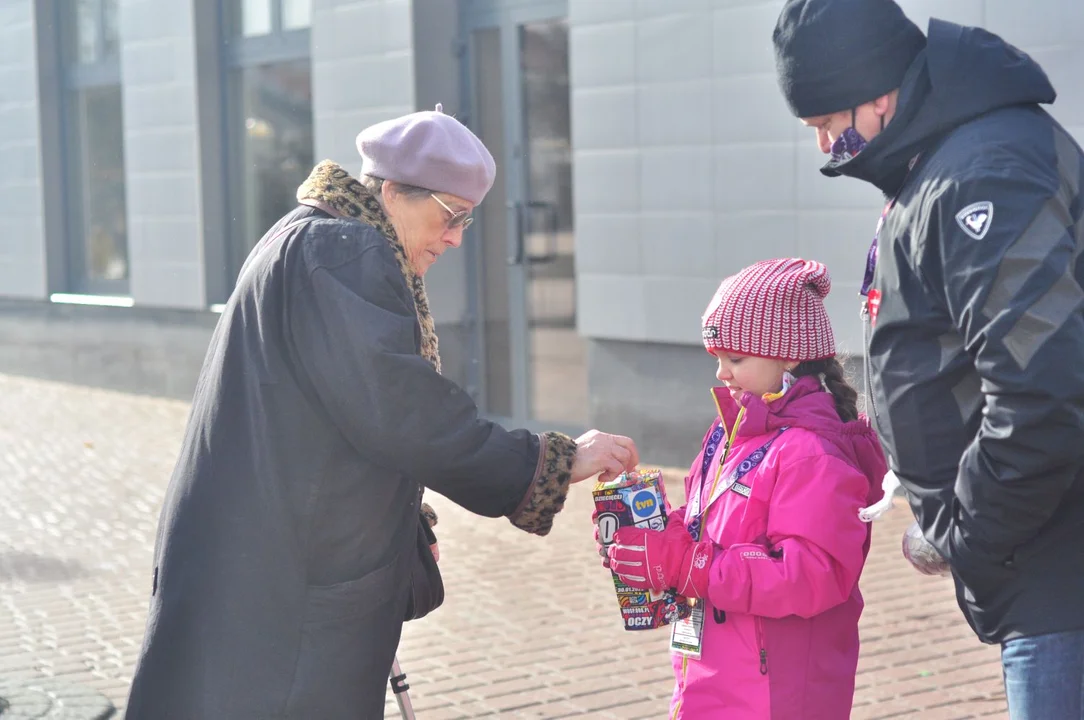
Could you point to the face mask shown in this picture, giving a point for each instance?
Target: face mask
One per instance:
(847, 145)
(850, 142)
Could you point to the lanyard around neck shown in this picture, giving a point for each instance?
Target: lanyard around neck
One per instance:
(871, 256)
(695, 511)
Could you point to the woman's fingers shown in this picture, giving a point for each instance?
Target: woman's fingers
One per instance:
(628, 444)
(621, 454)
(604, 455)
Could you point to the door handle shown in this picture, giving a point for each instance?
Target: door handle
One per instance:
(522, 214)
(516, 258)
(550, 255)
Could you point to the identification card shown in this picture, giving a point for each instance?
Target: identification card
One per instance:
(687, 635)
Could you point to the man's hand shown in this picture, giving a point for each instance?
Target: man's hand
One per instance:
(921, 554)
(602, 454)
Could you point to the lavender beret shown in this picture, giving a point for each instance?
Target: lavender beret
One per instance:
(430, 150)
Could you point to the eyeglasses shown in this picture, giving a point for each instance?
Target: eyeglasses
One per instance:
(459, 219)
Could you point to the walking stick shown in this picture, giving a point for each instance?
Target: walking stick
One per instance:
(399, 687)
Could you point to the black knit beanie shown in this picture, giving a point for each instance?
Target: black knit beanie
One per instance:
(834, 55)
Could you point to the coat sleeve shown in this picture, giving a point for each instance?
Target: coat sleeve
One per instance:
(815, 546)
(1014, 296)
(353, 328)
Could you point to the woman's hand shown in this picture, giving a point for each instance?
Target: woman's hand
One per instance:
(430, 516)
(605, 455)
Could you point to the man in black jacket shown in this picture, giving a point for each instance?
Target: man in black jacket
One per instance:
(973, 310)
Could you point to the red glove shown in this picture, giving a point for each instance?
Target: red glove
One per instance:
(654, 560)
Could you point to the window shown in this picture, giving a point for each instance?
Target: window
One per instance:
(94, 156)
(269, 116)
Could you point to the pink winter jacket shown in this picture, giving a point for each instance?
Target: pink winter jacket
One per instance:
(781, 620)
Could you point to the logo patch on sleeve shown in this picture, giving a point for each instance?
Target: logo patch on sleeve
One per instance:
(976, 218)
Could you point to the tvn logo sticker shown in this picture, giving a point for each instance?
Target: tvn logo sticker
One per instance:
(644, 504)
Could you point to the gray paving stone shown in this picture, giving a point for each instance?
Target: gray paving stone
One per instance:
(49, 699)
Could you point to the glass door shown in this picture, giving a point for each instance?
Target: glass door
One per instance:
(532, 367)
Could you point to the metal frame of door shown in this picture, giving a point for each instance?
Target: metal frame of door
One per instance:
(506, 16)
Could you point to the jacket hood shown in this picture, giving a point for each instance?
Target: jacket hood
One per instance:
(963, 72)
(808, 406)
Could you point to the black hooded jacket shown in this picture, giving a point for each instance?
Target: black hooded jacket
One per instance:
(975, 334)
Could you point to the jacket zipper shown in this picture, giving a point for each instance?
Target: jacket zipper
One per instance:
(684, 671)
(726, 449)
(867, 324)
(760, 645)
(722, 453)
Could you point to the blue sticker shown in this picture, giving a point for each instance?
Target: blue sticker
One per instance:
(644, 504)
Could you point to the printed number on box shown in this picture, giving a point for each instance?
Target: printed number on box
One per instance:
(608, 525)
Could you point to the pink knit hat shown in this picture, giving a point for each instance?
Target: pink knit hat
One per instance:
(773, 309)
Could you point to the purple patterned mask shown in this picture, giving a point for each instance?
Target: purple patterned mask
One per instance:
(847, 145)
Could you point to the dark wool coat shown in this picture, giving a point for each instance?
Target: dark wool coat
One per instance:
(282, 561)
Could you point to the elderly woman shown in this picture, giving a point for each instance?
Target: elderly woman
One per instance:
(288, 547)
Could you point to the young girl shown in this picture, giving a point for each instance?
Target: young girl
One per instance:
(770, 543)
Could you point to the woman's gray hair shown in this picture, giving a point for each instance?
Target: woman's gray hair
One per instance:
(374, 184)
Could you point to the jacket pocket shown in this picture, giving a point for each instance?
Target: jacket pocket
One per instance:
(353, 598)
(347, 643)
(1048, 540)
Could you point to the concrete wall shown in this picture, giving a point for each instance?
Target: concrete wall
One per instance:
(161, 153)
(1050, 31)
(362, 71)
(22, 238)
(149, 351)
(688, 166)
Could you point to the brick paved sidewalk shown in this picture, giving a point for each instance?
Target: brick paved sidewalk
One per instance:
(529, 630)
